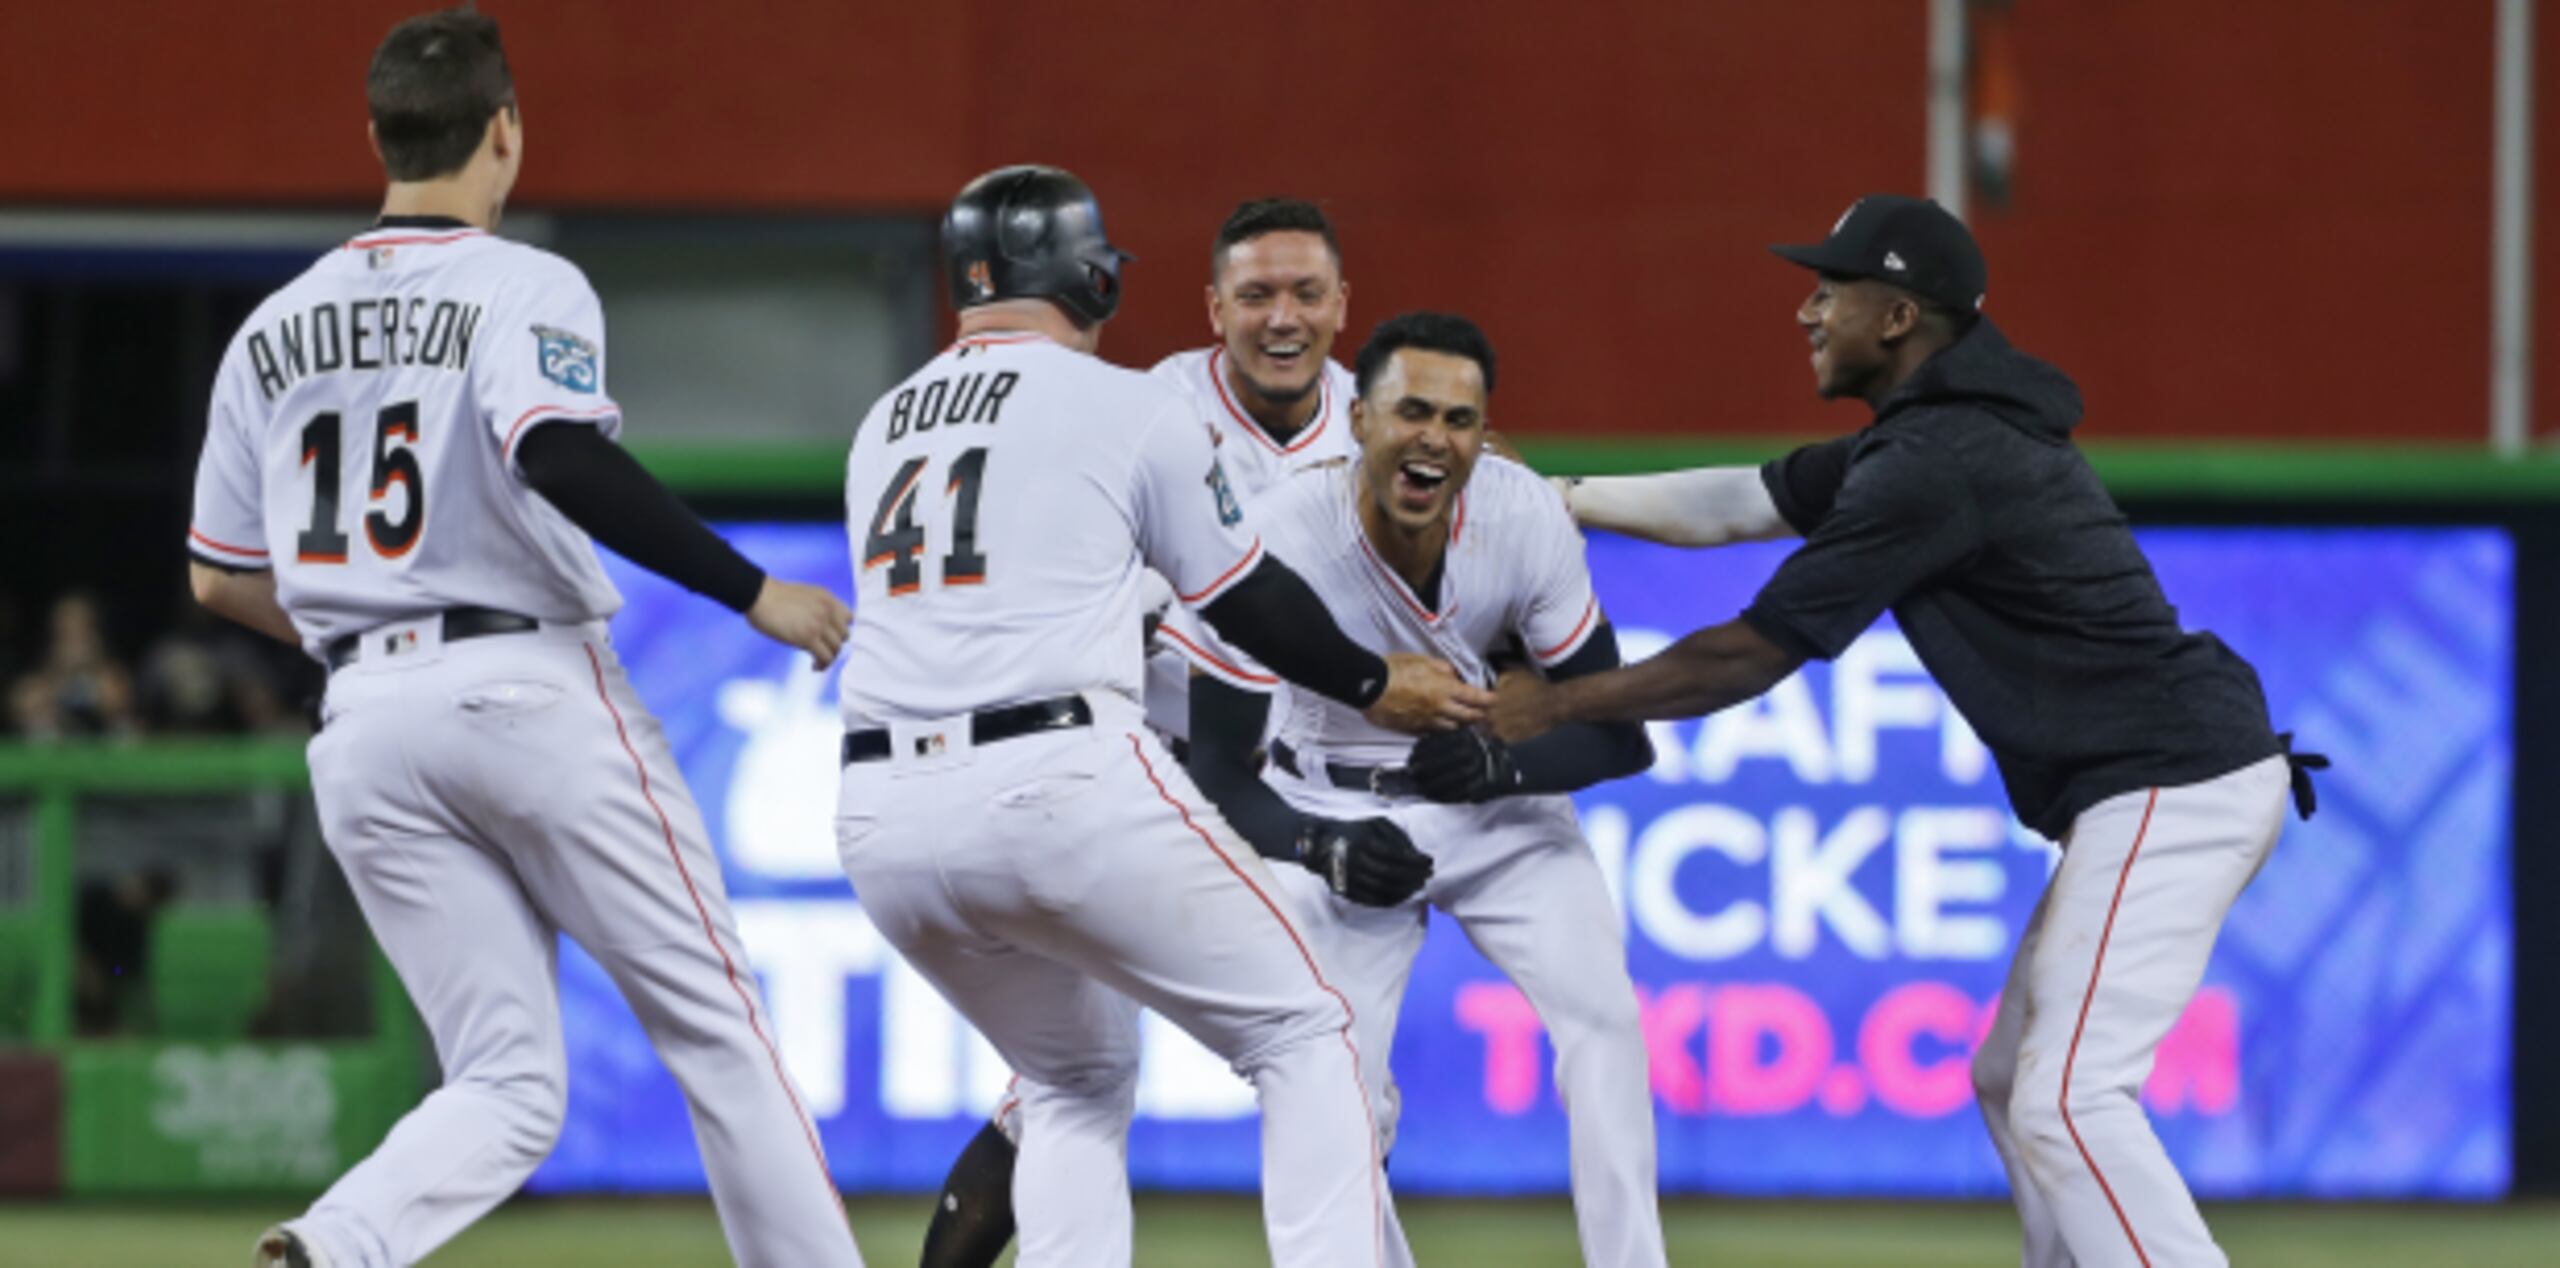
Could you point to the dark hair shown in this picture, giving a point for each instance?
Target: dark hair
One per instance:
(433, 87)
(1256, 217)
(1429, 331)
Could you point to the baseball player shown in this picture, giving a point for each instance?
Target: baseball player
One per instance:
(1007, 819)
(1966, 510)
(1276, 403)
(408, 448)
(1419, 547)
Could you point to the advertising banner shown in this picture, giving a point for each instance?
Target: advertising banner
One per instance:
(1820, 892)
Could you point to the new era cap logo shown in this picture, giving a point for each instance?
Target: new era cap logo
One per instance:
(1893, 260)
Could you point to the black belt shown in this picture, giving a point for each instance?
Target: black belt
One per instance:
(1385, 781)
(986, 726)
(459, 624)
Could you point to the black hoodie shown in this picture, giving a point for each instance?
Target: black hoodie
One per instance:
(1966, 509)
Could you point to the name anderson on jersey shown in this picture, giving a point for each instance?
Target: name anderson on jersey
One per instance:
(367, 334)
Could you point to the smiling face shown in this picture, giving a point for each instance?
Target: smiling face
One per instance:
(1277, 303)
(1421, 427)
(1853, 324)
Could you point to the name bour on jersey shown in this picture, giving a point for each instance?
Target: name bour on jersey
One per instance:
(957, 399)
(367, 334)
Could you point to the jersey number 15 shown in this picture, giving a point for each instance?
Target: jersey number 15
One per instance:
(897, 540)
(323, 542)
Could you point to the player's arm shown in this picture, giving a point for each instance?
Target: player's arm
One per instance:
(1902, 517)
(1706, 506)
(227, 563)
(602, 489)
(1714, 668)
(245, 595)
(1475, 765)
(1368, 861)
(1191, 530)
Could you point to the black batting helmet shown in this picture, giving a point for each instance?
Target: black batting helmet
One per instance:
(1032, 232)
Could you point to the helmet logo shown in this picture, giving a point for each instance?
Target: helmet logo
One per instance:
(982, 279)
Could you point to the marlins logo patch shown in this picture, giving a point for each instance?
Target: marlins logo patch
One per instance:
(1230, 511)
(567, 359)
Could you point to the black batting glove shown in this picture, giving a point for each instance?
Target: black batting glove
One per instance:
(1465, 765)
(1367, 861)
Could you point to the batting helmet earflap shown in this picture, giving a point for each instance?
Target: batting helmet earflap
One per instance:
(1032, 232)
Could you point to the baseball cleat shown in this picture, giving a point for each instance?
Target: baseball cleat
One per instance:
(281, 1247)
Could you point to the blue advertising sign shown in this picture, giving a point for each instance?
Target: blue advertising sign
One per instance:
(1820, 889)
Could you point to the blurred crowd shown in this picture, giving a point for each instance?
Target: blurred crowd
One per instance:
(69, 677)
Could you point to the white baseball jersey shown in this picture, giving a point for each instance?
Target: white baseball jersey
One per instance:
(1514, 568)
(1514, 872)
(1004, 501)
(1253, 459)
(363, 431)
(488, 795)
(1254, 462)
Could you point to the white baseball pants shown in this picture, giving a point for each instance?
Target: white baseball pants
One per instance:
(2111, 957)
(483, 798)
(1049, 884)
(1518, 876)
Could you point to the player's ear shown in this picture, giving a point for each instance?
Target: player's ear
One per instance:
(1901, 317)
(505, 133)
(373, 140)
(1217, 322)
(1359, 421)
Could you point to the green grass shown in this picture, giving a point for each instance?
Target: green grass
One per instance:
(1189, 1232)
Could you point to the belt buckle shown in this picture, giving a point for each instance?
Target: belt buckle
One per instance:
(1377, 781)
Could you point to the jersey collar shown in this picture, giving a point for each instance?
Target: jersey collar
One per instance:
(1306, 435)
(998, 339)
(393, 231)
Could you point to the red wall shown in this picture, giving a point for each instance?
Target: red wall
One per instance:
(2262, 220)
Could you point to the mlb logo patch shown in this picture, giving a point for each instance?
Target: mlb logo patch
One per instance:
(566, 359)
(1230, 511)
(378, 258)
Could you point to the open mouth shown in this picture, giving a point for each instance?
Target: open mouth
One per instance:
(1418, 482)
(1285, 356)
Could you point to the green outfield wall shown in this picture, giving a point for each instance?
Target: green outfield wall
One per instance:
(164, 1114)
(2257, 473)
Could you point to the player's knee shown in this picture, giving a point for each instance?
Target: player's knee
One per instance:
(1319, 1017)
(1107, 1080)
(2051, 1129)
(1604, 1028)
(1995, 1073)
(537, 1106)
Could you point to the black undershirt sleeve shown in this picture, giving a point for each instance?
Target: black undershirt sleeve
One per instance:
(1578, 755)
(1273, 617)
(604, 490)
(1226, 728)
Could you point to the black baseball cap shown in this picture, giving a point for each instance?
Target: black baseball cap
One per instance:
(1911, 242)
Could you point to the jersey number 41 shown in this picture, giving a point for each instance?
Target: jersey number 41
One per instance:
(897, 540)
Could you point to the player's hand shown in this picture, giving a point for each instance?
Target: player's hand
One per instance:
(1424, 694)
(801, 616)
(1367, 861)
(1523, 706)
(1464, 765)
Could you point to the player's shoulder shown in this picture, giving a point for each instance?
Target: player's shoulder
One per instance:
(1302, 506)
(526, 268)
(1510, 485)
(1511, 500)
(1187, 368)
